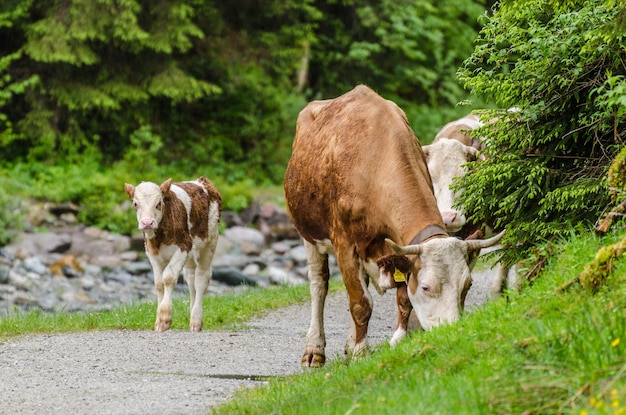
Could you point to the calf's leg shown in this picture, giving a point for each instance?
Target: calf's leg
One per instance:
(201, 280)
(169, 280)
(314, 355)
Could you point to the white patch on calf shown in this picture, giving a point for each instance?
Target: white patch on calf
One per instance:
(214, 219)
(184, 197)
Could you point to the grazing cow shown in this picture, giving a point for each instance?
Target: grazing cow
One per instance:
(451, 149)
(180, 223)
(445, 159)
(356, 184)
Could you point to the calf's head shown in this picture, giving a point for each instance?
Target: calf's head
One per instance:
(438, 278)
(148, 203)
(445, 159)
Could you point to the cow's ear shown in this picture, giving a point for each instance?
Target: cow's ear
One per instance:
(471, 153)
(129, 189)
(426, 150)
(165, 186)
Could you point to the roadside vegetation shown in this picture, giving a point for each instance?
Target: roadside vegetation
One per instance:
(538, 351)
(221, 312)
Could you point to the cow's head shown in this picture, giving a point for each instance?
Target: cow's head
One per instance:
(438, 278)
(148, 203)
(445, 159)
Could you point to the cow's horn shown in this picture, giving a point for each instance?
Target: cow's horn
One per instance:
(404, 250)
(476, 244)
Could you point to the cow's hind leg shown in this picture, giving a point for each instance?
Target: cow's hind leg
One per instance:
(201, 280)
(314, 355)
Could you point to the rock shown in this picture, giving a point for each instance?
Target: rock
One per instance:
(67, 265)
(4, 273)
(280, 248)
(251, 241)
(231, 219)
(280, 276)
(232, 276)
(39, 244)
(137, 268)
(35, 265)
(298, 254)
(62, 208)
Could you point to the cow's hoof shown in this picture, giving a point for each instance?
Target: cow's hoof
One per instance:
(162, 325)
(313, 360)
(195, 328)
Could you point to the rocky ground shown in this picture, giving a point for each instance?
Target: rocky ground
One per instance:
(71, 267)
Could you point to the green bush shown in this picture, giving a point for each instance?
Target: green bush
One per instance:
(562, 64)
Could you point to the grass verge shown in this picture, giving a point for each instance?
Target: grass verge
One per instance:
(220, 312)
(534, 352)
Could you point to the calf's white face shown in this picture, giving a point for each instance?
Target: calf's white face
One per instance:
(148, 203)
(445, 159)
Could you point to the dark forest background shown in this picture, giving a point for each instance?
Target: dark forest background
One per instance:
(95, 93)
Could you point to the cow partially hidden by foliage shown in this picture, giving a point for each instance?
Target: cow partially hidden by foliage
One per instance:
(180, 224)
(357, 184)
(452, 148)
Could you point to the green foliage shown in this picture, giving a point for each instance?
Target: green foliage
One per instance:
(561, 64)
(92, 72)
(408, 51)
(143, 91)
(10, 215)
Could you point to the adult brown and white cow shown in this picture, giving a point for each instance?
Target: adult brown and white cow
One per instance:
(356, 178)
(180, 224)
(451, 149)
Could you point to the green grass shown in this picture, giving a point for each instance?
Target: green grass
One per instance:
(219, 312)
(536, 352)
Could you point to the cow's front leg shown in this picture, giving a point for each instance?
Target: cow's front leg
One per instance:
(169, 280)
(361, 305)
(314, 355)
(404, 311)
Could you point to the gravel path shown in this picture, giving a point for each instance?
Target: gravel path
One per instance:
(176, 372)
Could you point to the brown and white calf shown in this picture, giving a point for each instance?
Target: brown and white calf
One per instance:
(180, 224)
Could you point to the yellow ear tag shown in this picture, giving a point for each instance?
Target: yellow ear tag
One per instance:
(398, 276)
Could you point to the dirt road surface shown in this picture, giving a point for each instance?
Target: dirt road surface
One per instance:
(176, 372)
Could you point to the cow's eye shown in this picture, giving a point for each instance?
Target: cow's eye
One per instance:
(426, 289)
(158, 206)
(135, 205)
